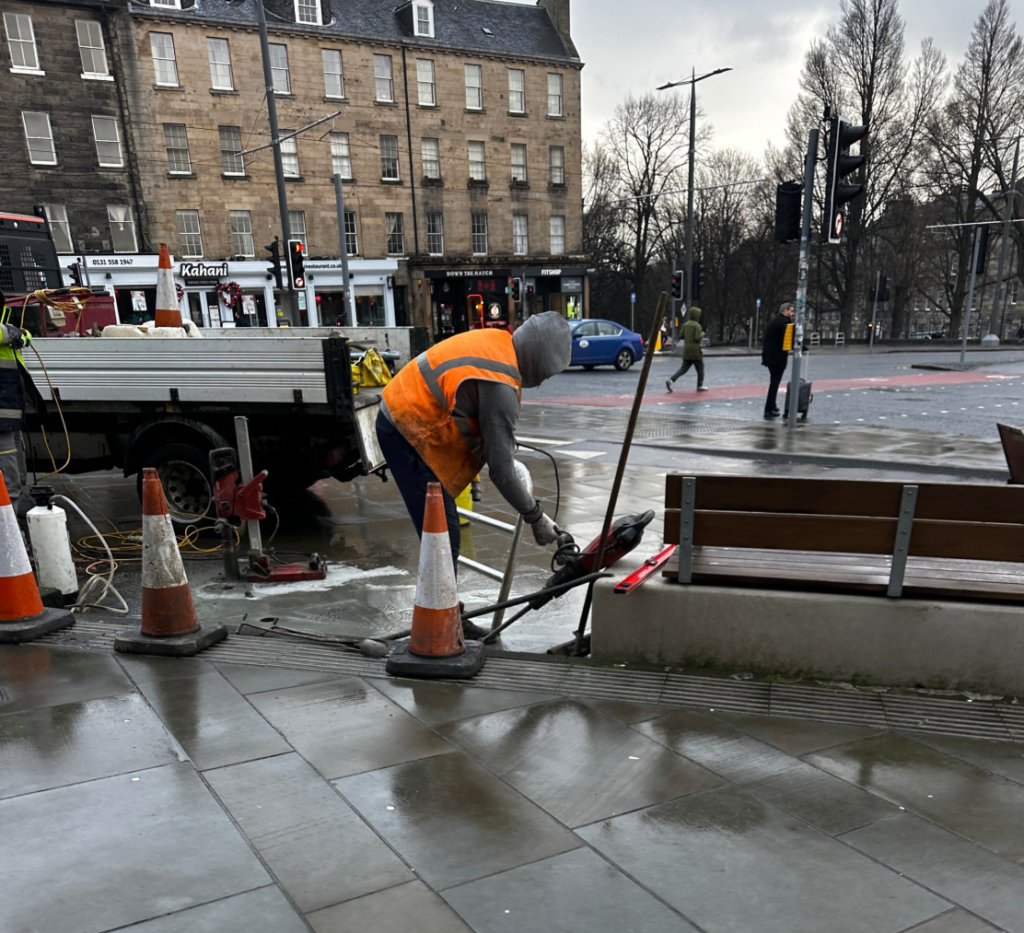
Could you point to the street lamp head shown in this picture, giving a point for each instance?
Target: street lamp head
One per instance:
(693, 80)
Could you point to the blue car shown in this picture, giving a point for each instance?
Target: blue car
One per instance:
(599, 343)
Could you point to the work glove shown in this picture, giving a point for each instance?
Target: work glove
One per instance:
(544, 531)
(12, 337)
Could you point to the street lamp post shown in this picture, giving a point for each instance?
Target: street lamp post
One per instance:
(688, 267)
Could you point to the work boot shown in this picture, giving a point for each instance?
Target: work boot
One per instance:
(469, 628)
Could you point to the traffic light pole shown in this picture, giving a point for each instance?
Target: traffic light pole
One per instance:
(287, 294)
(993, 338)
(688, 267)
(970, 297)
(793, 396)
(350, 301)
(874, 310)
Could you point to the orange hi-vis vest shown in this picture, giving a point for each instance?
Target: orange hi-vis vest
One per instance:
(421, 400)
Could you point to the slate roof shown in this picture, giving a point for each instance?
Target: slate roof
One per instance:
(517, 29)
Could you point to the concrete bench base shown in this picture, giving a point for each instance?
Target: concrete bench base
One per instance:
(862, 639)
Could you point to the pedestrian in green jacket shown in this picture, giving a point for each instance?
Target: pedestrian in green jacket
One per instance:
(693, 355)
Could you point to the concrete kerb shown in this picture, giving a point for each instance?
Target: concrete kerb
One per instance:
(938, 644)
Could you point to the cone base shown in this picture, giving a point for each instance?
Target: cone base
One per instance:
(171, 646)
(22, 630)
(404, 663)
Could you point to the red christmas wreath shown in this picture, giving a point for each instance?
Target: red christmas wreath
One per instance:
(230, 293)
(179, 291)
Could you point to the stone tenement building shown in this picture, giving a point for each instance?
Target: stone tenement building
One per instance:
(456, 127)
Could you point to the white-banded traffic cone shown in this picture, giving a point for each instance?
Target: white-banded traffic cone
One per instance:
(169, 623)
(436, 648)
(23, 616)
(168, 314)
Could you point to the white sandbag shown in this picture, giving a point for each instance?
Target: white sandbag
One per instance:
(123, 330)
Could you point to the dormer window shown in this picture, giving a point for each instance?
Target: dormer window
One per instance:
(423, 19)
(167, 4)
(307, 12)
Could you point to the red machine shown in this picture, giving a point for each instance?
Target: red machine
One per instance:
(238, 502)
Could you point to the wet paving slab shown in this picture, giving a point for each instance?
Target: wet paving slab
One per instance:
(438, 703)
(452, 821)
(32, 676)
(832, 805)
(782, 875)
(56, 745)
(248, 679)
(105, 849)
(319, 850)
(960, 796)
(403, 909)
(345, 726)
(575, 891)
(577, 763)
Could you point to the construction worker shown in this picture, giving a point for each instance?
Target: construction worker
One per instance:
(12, 406)
(455, 407)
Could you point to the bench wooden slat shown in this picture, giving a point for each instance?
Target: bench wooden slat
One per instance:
(867, 498)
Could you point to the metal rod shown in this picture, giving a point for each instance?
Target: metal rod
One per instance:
(689, 191)
(1010, 198)
(793, 398)
(245, 466)
(970, 299)
(874, 310)
(550, 591)
(339, 203)
(481, 568)
(287, 295)
(510, 568)
(659, 316)
(486, 520)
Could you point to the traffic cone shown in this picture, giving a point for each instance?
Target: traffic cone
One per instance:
(169, 623)
(436, 648)
(23, 616)
(167, 312)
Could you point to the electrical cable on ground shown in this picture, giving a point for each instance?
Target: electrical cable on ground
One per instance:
(105, 585)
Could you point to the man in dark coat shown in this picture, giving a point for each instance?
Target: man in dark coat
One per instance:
(774, 356)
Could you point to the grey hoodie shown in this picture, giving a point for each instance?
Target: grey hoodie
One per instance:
(543, 345)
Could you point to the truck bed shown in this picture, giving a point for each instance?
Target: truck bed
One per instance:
(244, 370)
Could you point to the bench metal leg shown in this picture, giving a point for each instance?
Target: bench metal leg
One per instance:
(686, 529)
(905, 525)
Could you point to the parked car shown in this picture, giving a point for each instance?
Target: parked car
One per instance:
(600, 343)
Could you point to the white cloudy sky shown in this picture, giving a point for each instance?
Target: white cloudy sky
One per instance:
(636, 45)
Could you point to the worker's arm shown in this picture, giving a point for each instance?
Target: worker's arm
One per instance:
(499, 412)
(11, 336)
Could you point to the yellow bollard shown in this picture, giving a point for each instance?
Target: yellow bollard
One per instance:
(657, 345)
(464, 500)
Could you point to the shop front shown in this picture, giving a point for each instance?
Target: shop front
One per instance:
(561, 289)
(230, 293)
(469, 299)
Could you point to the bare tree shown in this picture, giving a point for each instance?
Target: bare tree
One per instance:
(602, 211)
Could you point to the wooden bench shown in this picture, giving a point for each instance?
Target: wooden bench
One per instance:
(959, 541)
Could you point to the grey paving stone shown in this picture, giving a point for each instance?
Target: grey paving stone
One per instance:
(953, 793)
(827, 802)
(575, 762)
(956, 921)
(213, 722)
(734, 864)
(407, 908)
(317, 848)
(345, 726)
(972, 877)
(115, 851)
(265, 910)
(628, 711)
(32, 676)
(796, 736)
(452, 821)
(435, 703)
(246, 678)
(1003, 758)
(51, 746)
(578, 892)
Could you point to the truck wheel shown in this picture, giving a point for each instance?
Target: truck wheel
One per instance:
(184, 473)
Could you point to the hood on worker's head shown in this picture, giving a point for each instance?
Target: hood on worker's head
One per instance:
(543, 345)
(694, 314)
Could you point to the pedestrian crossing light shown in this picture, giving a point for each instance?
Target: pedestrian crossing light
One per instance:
(839, 164)
(296, 264)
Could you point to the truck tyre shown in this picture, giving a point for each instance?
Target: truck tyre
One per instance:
(184, 472)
